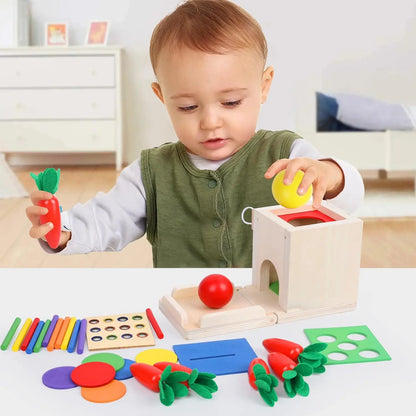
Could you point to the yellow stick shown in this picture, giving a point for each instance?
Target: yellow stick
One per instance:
(68, 334)
(22, 334)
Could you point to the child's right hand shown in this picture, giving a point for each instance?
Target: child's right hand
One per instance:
(34, 213)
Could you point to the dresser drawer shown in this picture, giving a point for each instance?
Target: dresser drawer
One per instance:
(57, 136)
(57, 71)
(64, 104)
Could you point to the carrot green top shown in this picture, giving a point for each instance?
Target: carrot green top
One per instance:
(48, 180)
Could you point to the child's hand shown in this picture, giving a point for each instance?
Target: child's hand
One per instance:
(325, 176)
(34, 213)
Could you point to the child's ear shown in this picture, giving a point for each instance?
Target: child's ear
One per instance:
(158, 91)
(266, 82)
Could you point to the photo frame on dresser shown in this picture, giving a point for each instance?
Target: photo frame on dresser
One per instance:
(56, 34)
(97, 33)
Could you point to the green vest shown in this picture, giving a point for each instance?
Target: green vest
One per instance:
(194, 216)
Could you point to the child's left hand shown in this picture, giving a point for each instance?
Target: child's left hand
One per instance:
(325, 176)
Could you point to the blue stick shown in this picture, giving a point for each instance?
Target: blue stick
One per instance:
(73, 341)
(35, 337)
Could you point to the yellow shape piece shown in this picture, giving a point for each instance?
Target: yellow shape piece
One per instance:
(155, 355)
(22, 334)
(287, 195)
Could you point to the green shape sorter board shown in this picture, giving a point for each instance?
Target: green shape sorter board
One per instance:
(350, 344)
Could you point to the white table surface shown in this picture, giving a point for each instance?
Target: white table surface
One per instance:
(386, 305)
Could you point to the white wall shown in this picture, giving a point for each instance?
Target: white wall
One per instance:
(343, 43)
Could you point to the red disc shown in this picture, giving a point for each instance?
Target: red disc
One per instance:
(93, 374)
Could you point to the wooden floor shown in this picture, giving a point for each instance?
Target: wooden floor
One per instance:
(386, 242)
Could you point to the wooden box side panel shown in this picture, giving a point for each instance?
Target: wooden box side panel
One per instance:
(324, 265)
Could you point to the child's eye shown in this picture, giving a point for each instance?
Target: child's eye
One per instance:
(187, 108)
(232, 103)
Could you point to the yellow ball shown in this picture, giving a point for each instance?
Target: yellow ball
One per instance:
(287, 195)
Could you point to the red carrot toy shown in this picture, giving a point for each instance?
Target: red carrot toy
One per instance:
(48, 181)
(201, 383)
(167, 383)
(310, 355)
(260, 379)
(291, 373)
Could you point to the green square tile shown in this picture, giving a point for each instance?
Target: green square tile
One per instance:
(349, 344)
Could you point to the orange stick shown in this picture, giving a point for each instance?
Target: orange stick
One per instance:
(51, 344)
(62, 332)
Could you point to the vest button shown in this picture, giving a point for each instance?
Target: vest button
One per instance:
(212, 183)
(216, 223)
(222, 264)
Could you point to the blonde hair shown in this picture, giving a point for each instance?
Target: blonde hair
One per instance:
(212, 26)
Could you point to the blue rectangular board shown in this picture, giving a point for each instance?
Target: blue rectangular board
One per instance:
(217, 357)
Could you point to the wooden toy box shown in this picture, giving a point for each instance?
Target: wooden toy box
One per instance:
(314, 255)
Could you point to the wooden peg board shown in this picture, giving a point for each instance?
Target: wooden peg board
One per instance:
(119, 331)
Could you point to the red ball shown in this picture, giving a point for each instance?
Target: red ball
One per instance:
(215, 291)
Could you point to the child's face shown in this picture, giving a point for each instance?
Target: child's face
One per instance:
(213, 100)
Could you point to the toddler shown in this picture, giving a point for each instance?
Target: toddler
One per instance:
(209, 60)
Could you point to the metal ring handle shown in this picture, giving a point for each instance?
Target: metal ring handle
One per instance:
(243, 213)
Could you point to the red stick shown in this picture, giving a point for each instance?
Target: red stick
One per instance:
(29, 334)
(154, 323)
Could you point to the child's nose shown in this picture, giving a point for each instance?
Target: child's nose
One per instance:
(210, 119)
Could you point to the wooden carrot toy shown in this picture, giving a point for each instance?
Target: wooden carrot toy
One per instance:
(310, 355)
(261, 380)
(166, 382)
(290, 373)
(201, 383)
(48, 181)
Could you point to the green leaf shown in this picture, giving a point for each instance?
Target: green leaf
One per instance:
(50, 180)
(193, 376)
(264, 377)
(316, 347)
(298, 383)
(274, 380)
(177, 377)
(287, 384)
(166, 373)
(201, 390)
(259, 370)
(179, 389)
(38, 179)
(263, 385)
(311, 355)
(304, 369)
(211, 385)
(304, 390)
(319, 370)
(269, 397)
(289, 374)
(166, 395)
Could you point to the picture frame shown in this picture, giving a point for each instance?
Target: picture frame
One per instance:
(97, 33)
(56, 34)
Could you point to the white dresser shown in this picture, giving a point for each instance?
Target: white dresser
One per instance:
(61, 100)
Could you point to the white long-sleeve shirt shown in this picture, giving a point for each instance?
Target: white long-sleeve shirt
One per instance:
(110, 221)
